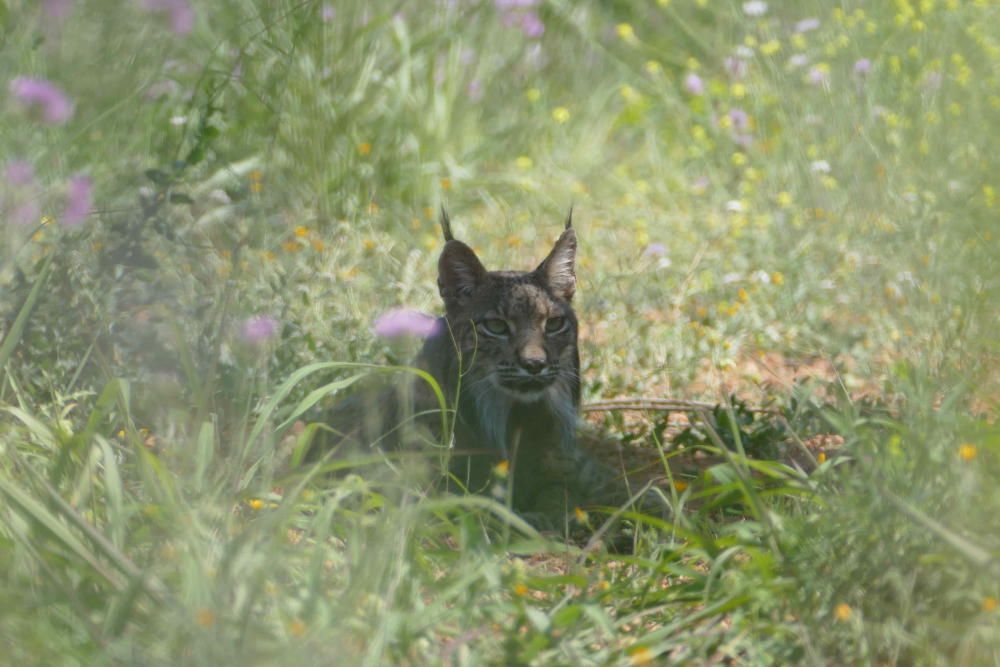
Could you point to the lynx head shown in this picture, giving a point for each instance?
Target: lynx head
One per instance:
(516, 330)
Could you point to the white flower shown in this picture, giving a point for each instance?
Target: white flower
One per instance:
(731, 278)
(761, 276)
(734, 206)
(820, 167)
(755, 8)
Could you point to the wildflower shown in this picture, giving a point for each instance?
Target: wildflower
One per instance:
(523, 162)
(19, 173)
(989, 604)
(653, 67)
(58, 9)
(679, 484)
(179, 12)
(807, 25)
(291, 245)
(819, 74)
(843, 611)
(821, 457)
(258, 329)
(798, 60)
(205, 618)
(693, 84)
(52, 103)
(502, 469)
(581, 516)
(738, 118)
(400, 322)
(301, 231)
(738, 90)
(770, 47)
(77, 201)
(655, 250)
(778, 278)
(532, 26)
(784, 199)
(736, 67)
(755, 8)
(520, 590)
(640, 656)
(445, 183)
(625, 31)
(560, 114)
(474, 90)
(532, 94)
(862, 66)
(364, 148)
(327, 13)
(967, 451)
(819, 167)
(297, 628)
(739, 159)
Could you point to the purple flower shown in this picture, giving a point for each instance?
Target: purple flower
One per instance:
(693, 84)
(475, 90)
(258, 329)
(400, 322)
(532, 26)
(27, 213)
(863, 66)
(736, 67)
(327, 13)
(807, 25)
(507, 5)
(54, 105)
(655, 250)
(818, 76)
(58, 9)
(739, 118)
(77, 201)
(19, 173)
(179, 11)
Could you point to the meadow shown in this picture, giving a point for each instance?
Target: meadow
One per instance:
(785, 209)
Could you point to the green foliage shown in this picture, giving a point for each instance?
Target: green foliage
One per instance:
(749, 191)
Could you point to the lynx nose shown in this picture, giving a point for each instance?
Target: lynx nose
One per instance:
(533, 365)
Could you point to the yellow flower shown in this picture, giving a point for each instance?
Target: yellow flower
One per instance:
(989, 604)
(742, 295)
(967, 451)
(770, 47)
(625, 31)
(581, 516)
(640, 656)
(524, 163)
(291, 245)
(560, 114)
(446, 183)
(778, 278)
(269, 255)
(205, 618)
(821, 457)
(679, 484)
(784, 199)
(368, 244)
(738, 90)
(256, 503)
(502, 469)
(301, 232)
(318, 245)
(520, 590)
(364, 148)
(739, 159)
(532, 94)
(653, 67)
(843, 612)
(297, 628)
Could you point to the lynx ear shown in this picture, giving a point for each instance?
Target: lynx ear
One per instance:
(459, 272)
(558, 270)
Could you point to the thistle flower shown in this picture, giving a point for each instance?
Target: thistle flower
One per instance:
(693, 84)
(78, 201)
(258, 329)
(532, 26)
(19, 173)
(862, 66)
(400, 322)
(52, 103)
(179, 12)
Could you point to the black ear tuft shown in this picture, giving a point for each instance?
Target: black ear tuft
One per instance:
(558, 269)
(446, 225)
(569, 218)
(459, 273)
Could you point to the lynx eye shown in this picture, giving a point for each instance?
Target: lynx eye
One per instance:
(496, 326)
(555, 325)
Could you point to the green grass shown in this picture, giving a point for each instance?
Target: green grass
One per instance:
(275, 162)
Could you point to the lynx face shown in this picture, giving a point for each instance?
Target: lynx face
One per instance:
(516, 331)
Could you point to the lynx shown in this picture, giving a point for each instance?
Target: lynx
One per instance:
(505, 356)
